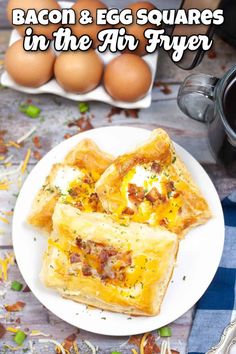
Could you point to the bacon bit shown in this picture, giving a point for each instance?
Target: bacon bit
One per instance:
(211, 53)
(26, 289)
(156, 167)
(154, 196)
(82, 123)
(174, 351)
(67, 136)
(128, 211)
(69, 342)
(223, 67)
(170, 186)
(136, 194)
(166, 89)
(37, 155)
(131, 113)
(164, 222)
(75, 258)
(14, 144)
(135, 340)
(26, 160)
(3, 148)
(86, 270)
(18, 306)
(151, 347)
(18, 320)
(36, 141)
(2, 331)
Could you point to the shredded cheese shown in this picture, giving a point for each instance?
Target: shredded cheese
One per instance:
(8, 159)
(143, 342)
(14, 144)
(35, 333)
(91, 346)
(2, 157)
(12, 330)
(5, 220)
(76, 349)
(26, 160)
(56, 343)
(134, 351)
(14, 349)
(12, 172)
(4, 186)
(8, 260)
(26, 135)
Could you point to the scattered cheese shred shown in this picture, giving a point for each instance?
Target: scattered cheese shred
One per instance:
(26, 135)
(2, 157)
(8, 260)
(14, 349)
(12, 330)
(5, 220)
(12, 172)
(35, 333)
(76, 349)
(56, 343)
(26, 160)
(8, 213)
(134, 351)
(143, 342)
(91, 346)
(8, 159)
(14, 144)
(4, 186)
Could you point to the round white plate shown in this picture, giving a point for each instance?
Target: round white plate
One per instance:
(198, 258)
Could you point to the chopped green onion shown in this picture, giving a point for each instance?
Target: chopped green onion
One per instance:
(19, 337)
(165, 331)
(115, 352)
(83, 107)
(30, 110)
(16, 286)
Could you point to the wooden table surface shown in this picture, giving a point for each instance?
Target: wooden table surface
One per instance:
(52, 127)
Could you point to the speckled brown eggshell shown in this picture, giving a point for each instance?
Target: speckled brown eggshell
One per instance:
(127, 78)
(30, 69)
(79, 72)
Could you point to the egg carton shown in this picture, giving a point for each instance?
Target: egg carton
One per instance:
(98, 94)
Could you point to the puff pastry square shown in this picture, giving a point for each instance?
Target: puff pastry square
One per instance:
(152, 185)
(94, 260)
(71, 181)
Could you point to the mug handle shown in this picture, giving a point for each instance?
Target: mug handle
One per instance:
(196, 95)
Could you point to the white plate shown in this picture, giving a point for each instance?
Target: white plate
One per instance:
(198, 259)
(99, 94)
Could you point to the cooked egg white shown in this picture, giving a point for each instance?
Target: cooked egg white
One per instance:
(65, 176)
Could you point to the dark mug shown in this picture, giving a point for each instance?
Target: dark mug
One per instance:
(213, 101)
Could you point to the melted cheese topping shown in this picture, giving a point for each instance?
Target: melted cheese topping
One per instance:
(143, 176)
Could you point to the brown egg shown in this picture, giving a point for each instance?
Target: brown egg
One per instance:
(89, 29)
(79, 72)
(127, 78)
(31, 69)
(37, 5)
(138, 30)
